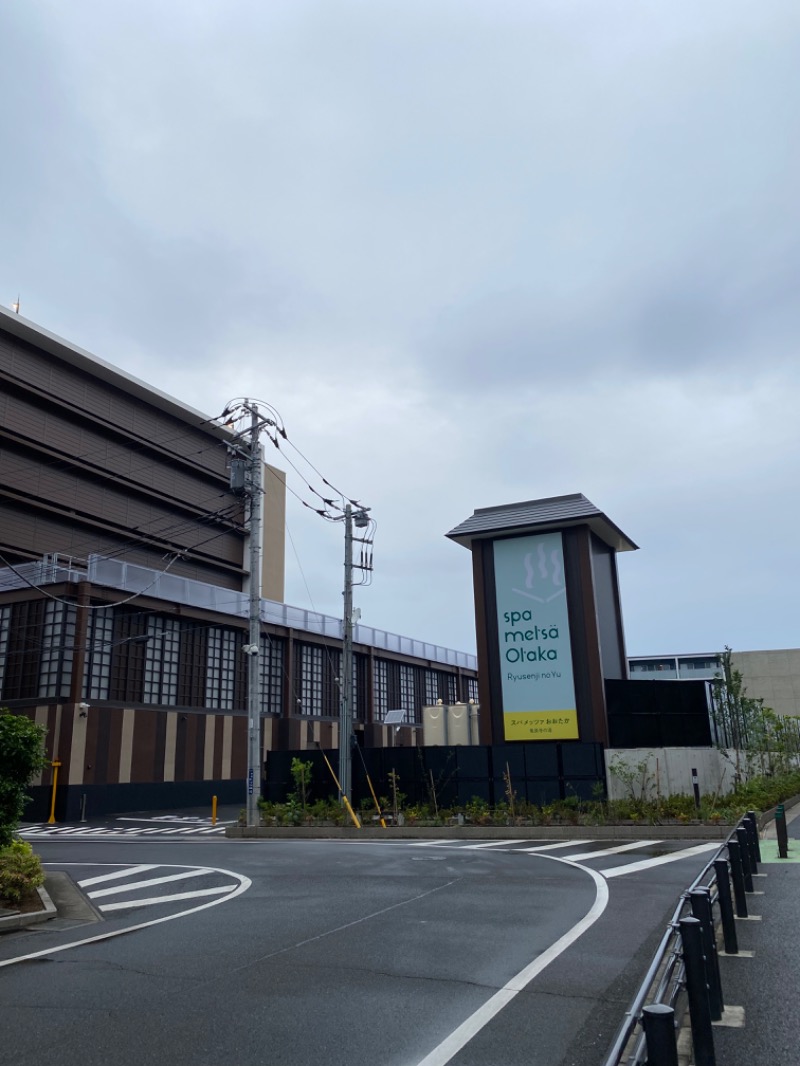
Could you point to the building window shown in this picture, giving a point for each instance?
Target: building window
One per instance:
(408, 695)
(162, 657)
(126, 683)
(99, 640)
(221, 668)
(381, 689)
(192, 667)
(5, 622)
(57, 650)
(271, 662)
(310, 660)
(21, 680)
(472, 689)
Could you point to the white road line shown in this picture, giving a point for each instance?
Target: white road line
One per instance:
(434, 843)
(244, 884)
(163, 899)
(127, 872)
(195, 871)
(490, 844)
(615, 851)
(555, 847)
(647, 864)
(451, 1045)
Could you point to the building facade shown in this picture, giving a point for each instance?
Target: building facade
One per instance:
(123, 602)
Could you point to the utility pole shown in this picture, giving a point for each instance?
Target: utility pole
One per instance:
(346, 704)
(255, 496)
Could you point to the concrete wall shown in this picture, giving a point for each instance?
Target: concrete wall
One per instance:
(669, 771)
(773, 676)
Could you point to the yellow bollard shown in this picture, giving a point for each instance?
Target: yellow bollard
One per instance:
(213, 810)
(52, 819)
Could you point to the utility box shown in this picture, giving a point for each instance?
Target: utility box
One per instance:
(450, 724)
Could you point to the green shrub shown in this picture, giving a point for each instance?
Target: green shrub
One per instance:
(20, 871)
(21, 758)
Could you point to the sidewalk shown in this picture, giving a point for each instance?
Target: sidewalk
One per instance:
(765, 984)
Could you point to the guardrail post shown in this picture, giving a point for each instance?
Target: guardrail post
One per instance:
(700, 900)
(750, 825)
(658, 1021)
(737, 876)
(699, 1012)
(744, 851)
(754, 822)
(726, 907)
(781, 831)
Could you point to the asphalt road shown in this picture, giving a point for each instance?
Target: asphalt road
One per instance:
(336, 953)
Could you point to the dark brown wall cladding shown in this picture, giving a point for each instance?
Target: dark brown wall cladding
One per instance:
(189, 744)
(239, 747)
(146, 746)
(219, 726)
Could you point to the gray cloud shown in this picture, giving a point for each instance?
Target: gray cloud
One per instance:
(473, 252)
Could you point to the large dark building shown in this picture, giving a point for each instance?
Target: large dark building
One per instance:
(123, 605)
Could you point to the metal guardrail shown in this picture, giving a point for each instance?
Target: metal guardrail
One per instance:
(684, 974)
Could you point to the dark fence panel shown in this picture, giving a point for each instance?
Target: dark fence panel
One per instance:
(658, 714)
(539, 772)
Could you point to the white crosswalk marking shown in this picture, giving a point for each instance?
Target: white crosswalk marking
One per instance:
(134, 885)
(490, 844)
(614, 851)
(660, 860)
(166, 899)
(555, 847)
(127, 872)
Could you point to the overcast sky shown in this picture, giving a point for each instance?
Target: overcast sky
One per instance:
(473, 251)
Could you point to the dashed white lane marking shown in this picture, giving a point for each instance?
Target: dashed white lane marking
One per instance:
(615, 851)
(198, 871)
(127, 872)
(661, 860)
(164, 899)
(452, 1044)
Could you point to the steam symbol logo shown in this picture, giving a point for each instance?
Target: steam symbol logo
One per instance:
(543, 573)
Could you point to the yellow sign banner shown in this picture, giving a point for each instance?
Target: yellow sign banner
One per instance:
(541, 725)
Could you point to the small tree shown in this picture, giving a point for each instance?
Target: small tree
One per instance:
(301, 775)
(21, 758)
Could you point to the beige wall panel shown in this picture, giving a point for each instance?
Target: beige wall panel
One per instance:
(227, 746)
(274, 539)
(126, 745)
(78, 757)
(169, 746)
(266, 736)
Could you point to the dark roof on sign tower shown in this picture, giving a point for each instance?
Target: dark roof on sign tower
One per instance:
(554, 512)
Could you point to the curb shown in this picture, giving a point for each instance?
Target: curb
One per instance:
(11, 922)
(481, 832)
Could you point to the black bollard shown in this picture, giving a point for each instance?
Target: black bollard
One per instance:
(697, 990)
(658, 1021)
(781, 832)
(700, 900)
(751, 826)
(726, 907)
(737, 876)
(754, 819)
(744, 851)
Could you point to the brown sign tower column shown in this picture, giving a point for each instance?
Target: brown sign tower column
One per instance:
(547, 616)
